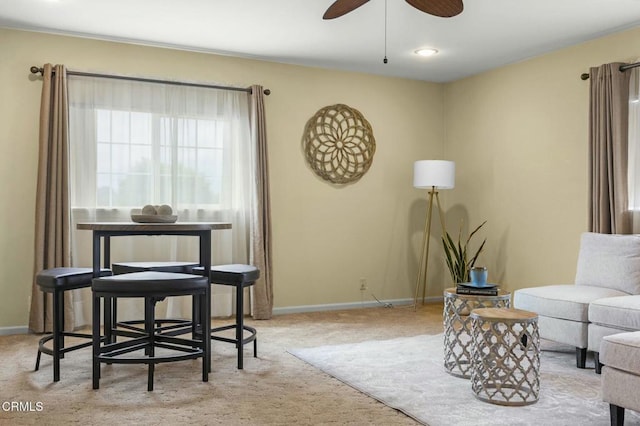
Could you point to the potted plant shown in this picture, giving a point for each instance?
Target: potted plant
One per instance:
(458, 259)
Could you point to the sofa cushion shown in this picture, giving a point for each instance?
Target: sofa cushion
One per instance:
(622, 351)
(569, 302)
(617, 312)
(572, 333)
(609, 260)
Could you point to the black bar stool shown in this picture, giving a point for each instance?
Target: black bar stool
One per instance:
(239, 276)
(57, 281)
(170, 326)
(152, 286)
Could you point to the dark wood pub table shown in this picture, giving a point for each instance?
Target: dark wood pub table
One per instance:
(103, 231)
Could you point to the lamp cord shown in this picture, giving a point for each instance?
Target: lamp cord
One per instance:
(385, 33)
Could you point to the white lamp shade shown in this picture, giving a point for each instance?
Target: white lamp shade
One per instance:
(438, 173)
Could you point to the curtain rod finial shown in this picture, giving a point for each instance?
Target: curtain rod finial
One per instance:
(36, 70)
(584, 76)
(267, 92)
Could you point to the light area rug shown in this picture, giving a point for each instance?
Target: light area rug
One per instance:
(408, 374)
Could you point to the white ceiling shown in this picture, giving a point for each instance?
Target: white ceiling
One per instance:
(488, 33)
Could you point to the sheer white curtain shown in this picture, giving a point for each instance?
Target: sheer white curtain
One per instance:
(136, 143)
(634, 147)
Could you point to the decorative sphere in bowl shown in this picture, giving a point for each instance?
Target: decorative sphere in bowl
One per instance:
(164, 210)
(149, 210)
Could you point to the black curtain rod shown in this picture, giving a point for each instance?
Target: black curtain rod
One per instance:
(37, 70)
(585, 76)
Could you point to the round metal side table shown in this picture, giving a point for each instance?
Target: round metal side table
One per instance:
(457, 327)
(505, 356)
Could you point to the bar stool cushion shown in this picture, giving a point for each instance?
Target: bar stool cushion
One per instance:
(149, 283)
(233, 274)
(128, 267)
(66, 278)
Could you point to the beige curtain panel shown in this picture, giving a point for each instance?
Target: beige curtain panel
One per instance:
(260, 254)
(52, 236)
(608, 150)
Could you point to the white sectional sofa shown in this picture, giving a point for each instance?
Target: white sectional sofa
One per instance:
(604, 299)
(599, 313)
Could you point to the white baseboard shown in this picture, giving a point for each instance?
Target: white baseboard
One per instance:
(5, 331)
(349, 305)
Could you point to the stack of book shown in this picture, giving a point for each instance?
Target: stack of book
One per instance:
(470, 288)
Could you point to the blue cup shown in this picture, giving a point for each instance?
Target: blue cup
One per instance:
(479, 276)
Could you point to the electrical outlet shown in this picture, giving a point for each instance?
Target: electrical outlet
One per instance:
(363, 284)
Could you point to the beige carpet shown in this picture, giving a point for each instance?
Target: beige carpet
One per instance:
(274, 389)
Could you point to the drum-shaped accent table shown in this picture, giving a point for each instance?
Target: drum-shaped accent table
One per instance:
(505, 356)
(457, 327)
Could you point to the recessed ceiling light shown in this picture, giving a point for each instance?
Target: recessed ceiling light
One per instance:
(426, 52)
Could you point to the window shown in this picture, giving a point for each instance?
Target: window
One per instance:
(135, 143)
(139, 153)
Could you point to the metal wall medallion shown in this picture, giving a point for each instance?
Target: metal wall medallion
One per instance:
(338, 143)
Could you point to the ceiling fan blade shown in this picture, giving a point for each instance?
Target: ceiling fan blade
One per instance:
(441, 8)
(342, 7)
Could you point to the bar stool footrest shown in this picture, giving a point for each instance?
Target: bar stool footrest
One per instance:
(250, 338)
(175, 327)
(185, 352)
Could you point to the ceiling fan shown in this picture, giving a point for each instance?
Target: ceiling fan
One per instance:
(441, 8)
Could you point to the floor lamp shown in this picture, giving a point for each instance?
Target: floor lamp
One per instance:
(432, 175)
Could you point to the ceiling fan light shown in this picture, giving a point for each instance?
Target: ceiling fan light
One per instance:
(426, 52)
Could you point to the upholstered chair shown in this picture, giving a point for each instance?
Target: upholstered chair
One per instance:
(608, 266)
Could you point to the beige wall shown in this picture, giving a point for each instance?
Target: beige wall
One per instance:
(519, 138)
(325, 238)
(518, 135)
